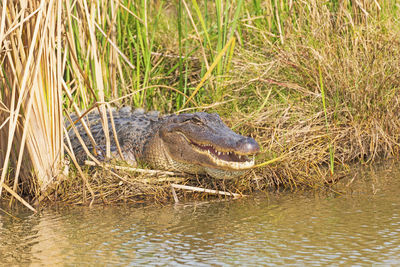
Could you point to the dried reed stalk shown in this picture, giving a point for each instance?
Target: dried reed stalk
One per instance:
(132, 169)
(205, 190)
(30, 92)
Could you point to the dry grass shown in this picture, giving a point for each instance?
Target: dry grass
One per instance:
(122, 184)
(30, 96)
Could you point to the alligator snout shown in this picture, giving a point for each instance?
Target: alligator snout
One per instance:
(247, 145)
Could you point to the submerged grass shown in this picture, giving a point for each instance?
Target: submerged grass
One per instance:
(316, 83)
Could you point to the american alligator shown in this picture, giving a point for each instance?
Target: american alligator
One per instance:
(196, 143)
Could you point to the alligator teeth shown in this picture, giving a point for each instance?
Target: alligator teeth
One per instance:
(227, 159)
(232, 164)
(235, 165)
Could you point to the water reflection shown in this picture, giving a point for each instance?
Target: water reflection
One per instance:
(359, 227)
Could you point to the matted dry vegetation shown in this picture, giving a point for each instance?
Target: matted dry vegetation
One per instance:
(316, 83)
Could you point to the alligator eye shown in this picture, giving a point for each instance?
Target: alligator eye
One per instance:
(197, 120)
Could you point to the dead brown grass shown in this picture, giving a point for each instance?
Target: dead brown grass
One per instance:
(119, 184)
(30, 97)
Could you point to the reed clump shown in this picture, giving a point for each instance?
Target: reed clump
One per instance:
(315, 83)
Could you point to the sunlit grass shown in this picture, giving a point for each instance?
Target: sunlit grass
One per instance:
(30, 93)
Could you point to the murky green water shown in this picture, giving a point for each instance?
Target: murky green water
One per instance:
(306, 228)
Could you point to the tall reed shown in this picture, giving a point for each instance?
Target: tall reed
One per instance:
(31, 138)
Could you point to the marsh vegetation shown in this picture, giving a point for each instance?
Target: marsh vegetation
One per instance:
(316, 83)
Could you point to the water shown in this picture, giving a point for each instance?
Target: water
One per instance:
(360, 227)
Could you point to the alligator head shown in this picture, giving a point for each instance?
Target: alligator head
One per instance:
(201, 143)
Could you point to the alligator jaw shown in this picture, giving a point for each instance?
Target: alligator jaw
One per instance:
(229, 159)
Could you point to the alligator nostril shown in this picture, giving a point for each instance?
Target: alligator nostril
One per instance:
(248, 145)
